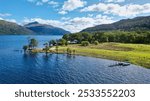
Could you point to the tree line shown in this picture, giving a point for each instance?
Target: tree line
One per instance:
(142, 37)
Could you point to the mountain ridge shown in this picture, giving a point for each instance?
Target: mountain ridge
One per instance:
(45, 29)
(35, 28)
(137, 23)
(7, 27)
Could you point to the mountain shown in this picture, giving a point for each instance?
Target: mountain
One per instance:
(31, 28)
(44, 29)
(138, 23)
(12, 28)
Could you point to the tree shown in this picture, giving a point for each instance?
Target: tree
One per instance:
(69, 51)
(33, 43)
(139, 36)
(66, 43)
(66, 37)
(62, 42)
(86, 37)
(52, 43)
(74, 51)
(85, 43)
(148, 37)
(25, 48)
(96, 42)
(46, 48)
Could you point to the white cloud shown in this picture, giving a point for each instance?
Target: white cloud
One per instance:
(65, 18)
(62, 12)
(71, 5)
(4, 14)
(44, 1)
(53, 3)
(31, 0)
(115, 1)
(75, 24)
(55, 23)
(120, 10)
(1, 19)
(80, 23)
(9, 20)
(90, 15)
(39, 3)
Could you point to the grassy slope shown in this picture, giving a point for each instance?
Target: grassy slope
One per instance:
(138, 54)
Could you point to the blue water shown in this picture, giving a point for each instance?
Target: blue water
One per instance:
(17, 68)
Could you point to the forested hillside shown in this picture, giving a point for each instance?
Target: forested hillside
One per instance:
(135, 24)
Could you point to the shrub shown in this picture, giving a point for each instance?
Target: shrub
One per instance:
(66, 43)
(69, 51)
(25, 48)
(85, 43)
(62, 42)
(52, 43)
(96, 42)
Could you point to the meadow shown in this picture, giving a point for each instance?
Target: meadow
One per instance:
(138, 54)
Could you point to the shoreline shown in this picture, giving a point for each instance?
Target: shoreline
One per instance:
(113, 51)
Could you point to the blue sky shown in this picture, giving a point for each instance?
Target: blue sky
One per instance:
(72, 15)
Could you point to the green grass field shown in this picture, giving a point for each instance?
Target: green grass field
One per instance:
(138, 54)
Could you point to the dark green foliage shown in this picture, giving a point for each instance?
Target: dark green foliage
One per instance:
(78, 36)
(66, 43)
(69, 51)
(74, 51)
(96, 42)
(85, 43)
(33, 43)
(112, 36)
(66, 37)
(62, 42)
(25, 48)
(52, 43)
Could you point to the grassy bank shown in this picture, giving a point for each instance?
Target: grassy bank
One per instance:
(138, 54)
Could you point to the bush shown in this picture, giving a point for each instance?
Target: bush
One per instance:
(62, 42)
(96, 42)
(66, 43)
(85, 43)
(52, 43)
(25, 48)
(69, 51)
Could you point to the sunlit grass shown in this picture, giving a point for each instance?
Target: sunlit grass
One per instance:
(138, 54)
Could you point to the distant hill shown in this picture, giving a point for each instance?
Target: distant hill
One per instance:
(31, 28)
(138, 23)
(44, 29)
(12, 28)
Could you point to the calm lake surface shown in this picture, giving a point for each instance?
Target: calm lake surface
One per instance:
(17, 68)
